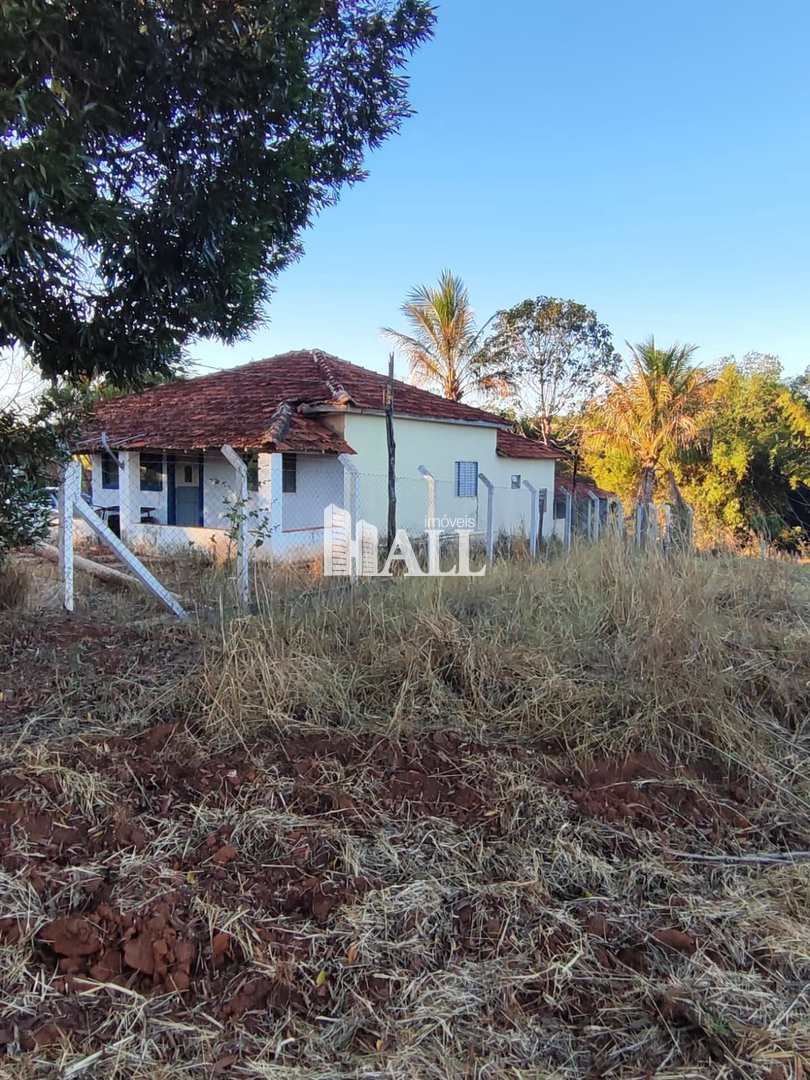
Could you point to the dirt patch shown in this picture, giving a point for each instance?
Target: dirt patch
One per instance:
(69, 667)
(642, 790)
(245, 899)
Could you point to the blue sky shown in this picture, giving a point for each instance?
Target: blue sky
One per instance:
(648, 159)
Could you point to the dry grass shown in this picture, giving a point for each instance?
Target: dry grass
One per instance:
(15, 585)
(468, 822)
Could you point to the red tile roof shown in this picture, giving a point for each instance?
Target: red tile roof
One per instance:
(365, 389)
(518, 446)
(269, 404)
(584, 486)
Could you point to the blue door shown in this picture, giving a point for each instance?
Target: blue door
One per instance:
(186, 491)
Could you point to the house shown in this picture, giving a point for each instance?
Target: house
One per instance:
(591, 508)
(311, 428)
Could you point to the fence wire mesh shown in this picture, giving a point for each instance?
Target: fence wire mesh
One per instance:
(231, 510)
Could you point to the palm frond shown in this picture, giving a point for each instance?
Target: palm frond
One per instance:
(440, 346)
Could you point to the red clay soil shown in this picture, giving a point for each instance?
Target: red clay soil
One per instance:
(53, 664)
(641, 790)
(167, 945)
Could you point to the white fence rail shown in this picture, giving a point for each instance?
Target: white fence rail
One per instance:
(72, 504)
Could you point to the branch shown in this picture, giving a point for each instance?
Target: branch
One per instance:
(785, 857)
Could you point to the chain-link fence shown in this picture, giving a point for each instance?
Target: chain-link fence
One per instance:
(164, 504)
(167, 504)
(232, 509)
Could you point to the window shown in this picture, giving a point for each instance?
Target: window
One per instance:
(288, 473)
(151, 472)
(559, 508)
(515, 481)
(467, 478)
(188, 474)
(252, 462)
(109, 471)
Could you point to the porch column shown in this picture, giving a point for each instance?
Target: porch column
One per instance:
(269, 500)
(129, 491)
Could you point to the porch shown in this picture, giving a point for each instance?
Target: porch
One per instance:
(165, 502)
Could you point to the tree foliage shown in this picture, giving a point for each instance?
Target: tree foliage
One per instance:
(30, 449)
(442, 344)
(159, 159)
(555, 353)
(741, 454)
(754, 477)
(648, 419)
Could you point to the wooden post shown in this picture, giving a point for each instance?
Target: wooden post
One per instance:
(392, 449)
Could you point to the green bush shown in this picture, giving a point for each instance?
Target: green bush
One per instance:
(29, 452)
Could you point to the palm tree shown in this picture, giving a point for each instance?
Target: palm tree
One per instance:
(656, 413)
(441, 347)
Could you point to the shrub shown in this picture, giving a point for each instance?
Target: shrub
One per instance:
(29, 449)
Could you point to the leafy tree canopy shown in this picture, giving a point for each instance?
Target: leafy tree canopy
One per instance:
(742, 460)
(159, 159)
(555, 353)
(658, 411)
(755, 475)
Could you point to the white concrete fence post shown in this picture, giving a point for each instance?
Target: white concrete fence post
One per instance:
(618, 516)
(240, 525)
(75, 504)
(351, 497)
(69, 492)
(667, 538)
(640, 525)
(594, 516)
(533, 503)
(269, 501)
(431, 517)
(543, 508)
(432, 530)
(490, 527)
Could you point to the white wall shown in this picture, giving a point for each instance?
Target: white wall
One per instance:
(102, 496)
(438, 446)
(219, 490)
(435, 445)
(319, 481)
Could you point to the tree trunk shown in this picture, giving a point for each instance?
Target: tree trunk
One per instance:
(99, 570)
(544, 423)
(647, 483)
(680, 514)
(646, 489)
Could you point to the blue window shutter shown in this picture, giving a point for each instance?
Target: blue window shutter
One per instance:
(467, 478)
